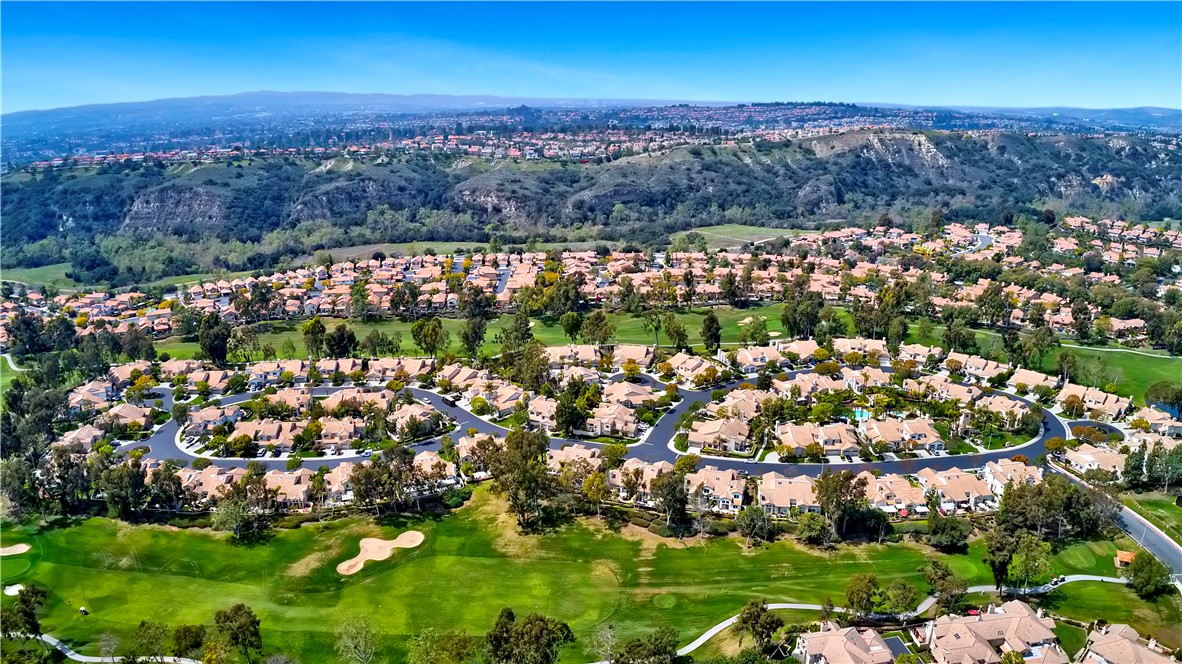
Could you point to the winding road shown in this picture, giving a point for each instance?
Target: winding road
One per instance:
(656, 446)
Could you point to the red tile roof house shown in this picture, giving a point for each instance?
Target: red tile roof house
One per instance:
(903, 435)
(203, 421)
(86, 436)
(893, 493)
(979, 639)
(998, 475)
(557, 459)
(91, 397)
(957, 488)
(729, 435)
(613, 419)
(270, 432)
(716, 490)
(617, 480)
(1103, 405)
(779, 495)
(127, 414)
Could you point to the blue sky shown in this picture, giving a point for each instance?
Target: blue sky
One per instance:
(1095, 55)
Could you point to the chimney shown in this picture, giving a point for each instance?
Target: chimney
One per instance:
(1153, 644)
(1040, 612)
(928, 630)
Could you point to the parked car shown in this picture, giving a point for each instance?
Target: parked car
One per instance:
(449, 401)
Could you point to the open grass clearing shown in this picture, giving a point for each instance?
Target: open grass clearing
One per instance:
(723, 236)
(1160, 509)
(46, 275)
(470, 565)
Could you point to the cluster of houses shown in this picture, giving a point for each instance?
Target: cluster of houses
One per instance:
(981, 638)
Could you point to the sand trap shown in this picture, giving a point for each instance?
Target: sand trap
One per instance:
(373, 548)
(13, 590)
(750, 319)
(773, 334)
(14, 549)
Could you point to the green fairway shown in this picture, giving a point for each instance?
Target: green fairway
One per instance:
(1088, 600)
(51, 275)
(1071, 638)
(1159, 509)
(471, 565)
(7, 373)
(723, 236)
(629, 329)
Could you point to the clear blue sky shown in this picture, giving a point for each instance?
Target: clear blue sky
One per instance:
(1056, 54)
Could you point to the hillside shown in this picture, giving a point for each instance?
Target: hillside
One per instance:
(143, 222)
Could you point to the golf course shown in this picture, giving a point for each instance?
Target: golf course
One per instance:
(470, 564)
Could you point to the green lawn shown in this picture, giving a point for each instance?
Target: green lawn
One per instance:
(52, 275)
(7, 373)
(471, 565)
(1071, 638)
(1159, 509)
(629, 329)
(723, 236)
(1135, 373)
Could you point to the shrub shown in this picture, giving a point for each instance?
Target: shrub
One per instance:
(456, 497)
(659, 529)
(201, 463)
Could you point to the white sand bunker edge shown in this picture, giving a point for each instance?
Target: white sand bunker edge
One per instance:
(14, 549)
(373, 548)
(13, 590)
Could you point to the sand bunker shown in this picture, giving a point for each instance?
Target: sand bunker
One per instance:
(373, 548)
(14, 549)
(13, 590)
(773, 334)
(750, 319)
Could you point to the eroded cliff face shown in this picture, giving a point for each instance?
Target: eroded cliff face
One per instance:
(179, 209)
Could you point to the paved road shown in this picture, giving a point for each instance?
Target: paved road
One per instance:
(983, 242)
(1149, 536)
(655, 447)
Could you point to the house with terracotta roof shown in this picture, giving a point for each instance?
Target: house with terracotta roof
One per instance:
(716, 490)
(981, 639)
(779, 495)
(86, 436)
(729, 435)
(753, 359)
(632, 481)
(613, 419)
(1121, 644)
(127, 414)
(893, 494)
(1096, 402)
(556, 459)
(843, 645)
(957, 488)
(1030, 379)
(629, 394)
(999, 474)
(1089, 457)
(902, 435)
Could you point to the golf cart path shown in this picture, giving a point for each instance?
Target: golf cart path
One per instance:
(919, 610)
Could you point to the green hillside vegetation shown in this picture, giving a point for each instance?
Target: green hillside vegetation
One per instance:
(135, 223)
(472, 564)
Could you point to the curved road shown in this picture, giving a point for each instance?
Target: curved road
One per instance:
(654, 447)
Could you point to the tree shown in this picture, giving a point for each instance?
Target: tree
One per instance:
(675, 330)
(631, 370)
(711, 332)
(669, 493)
(572, 324)
(1147, 576)
(1030, 560)
(213, 338)
(860, 593)
(314, 333)
(840, 495)
(900, 597)
(341, 342)
(595, 489)
(536, 639)
(240, 626)
(357, 641)
(597, 329)
(660, 647)
(21, 620)
(948, 587)
(149, 640)
(753, 522)
(651, 323)
(613, 455)
(431, 647)
(811, 528)
(429, 335)
(187, 640)
(755, 620)
(521, 474)
(472, 336)
(948, 533)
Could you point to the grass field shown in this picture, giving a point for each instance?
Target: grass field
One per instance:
(7, 373)
(1071, 638)
(1135, 372)
(1159, 509)
(629, 329)
(471, 565)
(52, 275)
(440, 247)
(723, 236)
